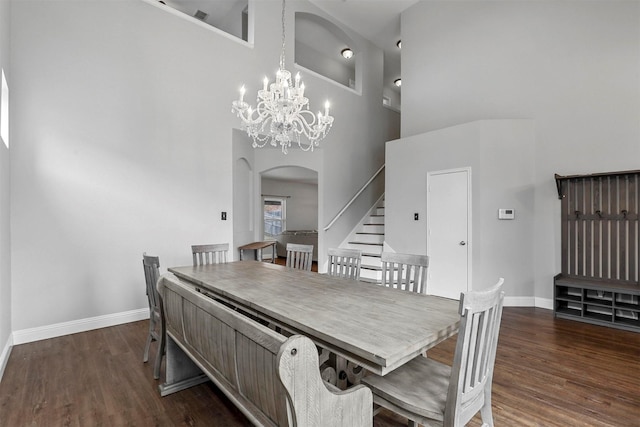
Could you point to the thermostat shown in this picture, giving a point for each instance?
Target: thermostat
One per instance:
(506, 214)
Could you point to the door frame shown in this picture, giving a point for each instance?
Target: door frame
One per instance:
(467, 170)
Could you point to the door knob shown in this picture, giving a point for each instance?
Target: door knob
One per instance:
(462, 243)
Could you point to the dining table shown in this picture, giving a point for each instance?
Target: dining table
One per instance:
(376, 327)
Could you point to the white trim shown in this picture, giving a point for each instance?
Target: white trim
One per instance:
(65, 328)
(546, 303)
(536, 302)
(4, 356)
(519, 301)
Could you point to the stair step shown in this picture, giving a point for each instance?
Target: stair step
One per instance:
(365, 243)
(376, 220)
(370, 280)
(370, 267)
(371, 254)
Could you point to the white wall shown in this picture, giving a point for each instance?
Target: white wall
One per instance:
(573, 67)
(499, 248)
(5, 200)
(123, 144)
(302, 202)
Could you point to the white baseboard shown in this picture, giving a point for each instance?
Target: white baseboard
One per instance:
(528, 302)
(73, 327)
(4, 356)
(544, 303)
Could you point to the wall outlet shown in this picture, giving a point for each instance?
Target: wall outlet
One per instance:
(224, 216)
(416, 216)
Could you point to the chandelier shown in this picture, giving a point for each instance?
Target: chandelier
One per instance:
(282, 112)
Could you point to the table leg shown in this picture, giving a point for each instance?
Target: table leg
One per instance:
(180, 371)
(241, 254)
(259, 254)
(341, 370)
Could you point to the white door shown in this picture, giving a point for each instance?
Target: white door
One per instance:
(448, 232)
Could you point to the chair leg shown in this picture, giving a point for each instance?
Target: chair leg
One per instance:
(150, 337)
(159, 356)
(486, 412)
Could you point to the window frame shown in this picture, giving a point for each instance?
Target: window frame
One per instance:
(283, 220)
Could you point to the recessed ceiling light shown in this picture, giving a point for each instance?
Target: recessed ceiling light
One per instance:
(347, 53)
(397, 82)
(399, 44)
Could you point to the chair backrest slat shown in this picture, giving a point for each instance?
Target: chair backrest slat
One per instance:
(474, 358)
(151, 265)
(210, 254)
(405, 271)
(299, 256)
(345, 263)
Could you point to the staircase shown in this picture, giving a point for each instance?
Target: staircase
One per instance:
(369, 238)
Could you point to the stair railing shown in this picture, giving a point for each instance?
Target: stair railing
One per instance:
(353, 199)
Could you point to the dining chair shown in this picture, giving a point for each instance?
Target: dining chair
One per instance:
(210, 254)
(151, 265)
(434, 394)
(405, 271)
(345, 263)
(299, 256)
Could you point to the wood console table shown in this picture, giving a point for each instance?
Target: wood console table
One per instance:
(257, 248)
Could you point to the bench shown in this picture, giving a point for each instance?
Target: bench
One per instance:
(272, 379)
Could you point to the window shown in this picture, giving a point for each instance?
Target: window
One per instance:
(4, 111)
(275, 214)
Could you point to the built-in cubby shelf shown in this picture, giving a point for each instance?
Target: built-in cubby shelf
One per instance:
(597, 301)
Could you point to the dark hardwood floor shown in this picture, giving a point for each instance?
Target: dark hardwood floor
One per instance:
(548, 373)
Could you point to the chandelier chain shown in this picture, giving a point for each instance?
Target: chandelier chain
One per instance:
(282, 52)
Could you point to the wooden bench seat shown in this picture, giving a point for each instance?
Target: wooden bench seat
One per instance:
(272, 379)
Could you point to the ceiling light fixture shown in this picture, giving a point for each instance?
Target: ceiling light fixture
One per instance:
(347, 53)
(397, 82)
(282, 112)
(399, 44)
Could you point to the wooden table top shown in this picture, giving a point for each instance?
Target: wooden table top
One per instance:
(377, 327)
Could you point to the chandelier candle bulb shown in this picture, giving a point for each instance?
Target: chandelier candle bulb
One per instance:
(242, 90)
(297, 80)
(326, 108)
(266, 83)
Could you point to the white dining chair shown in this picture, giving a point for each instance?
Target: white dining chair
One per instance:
(210, 254)
(344, 262)
(406, 272)
(299, 256)
(434, 394)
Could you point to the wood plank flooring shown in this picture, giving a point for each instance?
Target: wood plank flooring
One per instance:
(549, 372)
